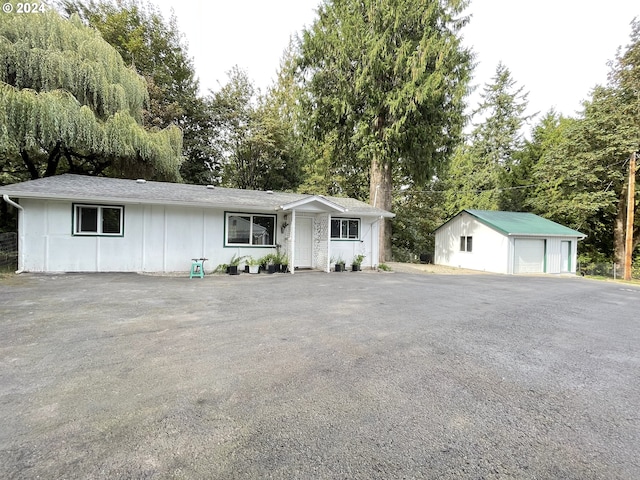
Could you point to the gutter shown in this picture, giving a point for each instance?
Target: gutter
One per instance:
(6, 198)
(11, 202)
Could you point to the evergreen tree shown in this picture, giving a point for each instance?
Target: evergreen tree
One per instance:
(385, 81)
(582, 178)
(484, 172)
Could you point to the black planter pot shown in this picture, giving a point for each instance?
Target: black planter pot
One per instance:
(339, 267)
(355, 268)
(284, 268)
(233, 270)
(426, 258)
(246, 269)
(271, 269)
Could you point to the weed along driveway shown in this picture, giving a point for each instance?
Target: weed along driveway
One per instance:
(353, 375)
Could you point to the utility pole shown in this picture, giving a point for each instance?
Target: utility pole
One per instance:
(631, 200)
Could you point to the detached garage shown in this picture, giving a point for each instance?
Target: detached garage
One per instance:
(506, 242)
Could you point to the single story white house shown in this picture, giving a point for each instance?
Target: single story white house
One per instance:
(75, 223)
(506, 242)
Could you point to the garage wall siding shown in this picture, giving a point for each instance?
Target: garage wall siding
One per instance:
(489, 252)
(554, 254)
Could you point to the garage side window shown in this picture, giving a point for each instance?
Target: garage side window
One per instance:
(105, 220)
(466, 244)
(345, 228)
(250, 230)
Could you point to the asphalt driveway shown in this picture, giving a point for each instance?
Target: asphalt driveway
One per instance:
(352, 375)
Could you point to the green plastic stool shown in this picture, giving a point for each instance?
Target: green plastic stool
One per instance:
(197, 267)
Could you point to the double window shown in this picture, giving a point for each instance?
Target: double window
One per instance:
(466, 244)
(345, 229)
(249, 230)
(107, 220)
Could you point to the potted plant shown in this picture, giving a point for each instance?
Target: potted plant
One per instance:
(234, 263)
(284, 264)
(281, 261)
(339, 265)
(356, 264)
(223, 267)
(268, 263)
(253, 264)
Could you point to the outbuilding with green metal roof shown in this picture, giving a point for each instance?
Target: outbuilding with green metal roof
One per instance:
(506, 242)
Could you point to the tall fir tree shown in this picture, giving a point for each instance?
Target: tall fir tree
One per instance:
(485, 169)
(386, 82)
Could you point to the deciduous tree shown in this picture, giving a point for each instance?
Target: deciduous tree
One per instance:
(68, 103)
(582, 177)
(254, 137)
(157, 49)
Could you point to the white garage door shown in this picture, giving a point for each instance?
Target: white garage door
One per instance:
(529, 256)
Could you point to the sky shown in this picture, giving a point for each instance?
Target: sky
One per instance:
(556, 49)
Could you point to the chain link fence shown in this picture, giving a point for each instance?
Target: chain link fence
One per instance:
(8, 252)
(608, 270)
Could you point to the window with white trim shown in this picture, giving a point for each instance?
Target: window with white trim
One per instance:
(466, 244)
(345, 229)
(105, 220)
(244, 229)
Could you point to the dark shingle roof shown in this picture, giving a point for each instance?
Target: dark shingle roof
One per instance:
(102, 189)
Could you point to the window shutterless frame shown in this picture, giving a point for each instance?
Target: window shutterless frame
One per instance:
(249, 229)
(466, 244)
(97, 220)
(345, 229)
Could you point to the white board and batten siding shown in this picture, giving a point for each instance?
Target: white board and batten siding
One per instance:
(562, 254)
(488, 250)
(164, 238)
(156, 238)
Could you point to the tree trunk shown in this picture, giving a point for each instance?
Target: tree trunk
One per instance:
(31, 167)
(380, 187)
(619, 228)
(53, 160)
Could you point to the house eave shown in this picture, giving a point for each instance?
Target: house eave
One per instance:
(139, 201)
(314, 202)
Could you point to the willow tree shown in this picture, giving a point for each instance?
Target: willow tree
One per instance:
(68, 103)
(154, 45)
(386, 84)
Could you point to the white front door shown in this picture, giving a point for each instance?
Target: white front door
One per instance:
(304, 242)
